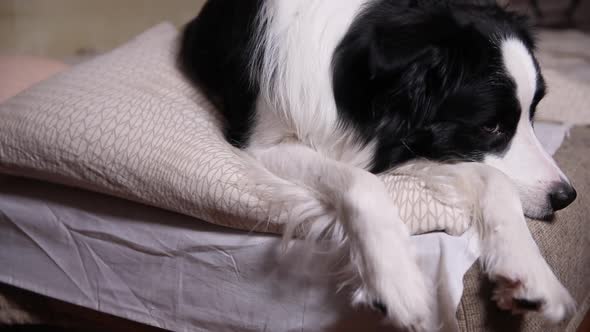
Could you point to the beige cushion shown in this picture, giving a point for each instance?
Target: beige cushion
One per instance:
(128, 124)
(565, 243)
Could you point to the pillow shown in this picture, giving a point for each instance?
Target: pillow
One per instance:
(128, 124)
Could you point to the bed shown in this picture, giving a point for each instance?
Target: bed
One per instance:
(103, 257)
(163, 269)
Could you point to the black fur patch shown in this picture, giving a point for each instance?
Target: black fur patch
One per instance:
(216, 52)
(427, 79)
(422, 78)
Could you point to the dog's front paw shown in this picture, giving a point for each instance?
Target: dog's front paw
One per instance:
(387, 277)
(403, 297)
(537, 291)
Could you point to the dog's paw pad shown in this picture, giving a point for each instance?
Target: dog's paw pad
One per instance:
(508, 296)
(380, 307)
(532, 289)
(527, 305)
(511, 296)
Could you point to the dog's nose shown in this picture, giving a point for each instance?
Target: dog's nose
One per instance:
(562, 195)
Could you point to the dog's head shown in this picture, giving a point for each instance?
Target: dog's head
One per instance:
(451, 82)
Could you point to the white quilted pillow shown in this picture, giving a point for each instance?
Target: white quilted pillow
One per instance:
(128, 124)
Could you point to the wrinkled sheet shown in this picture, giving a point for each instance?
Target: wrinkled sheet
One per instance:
(163, 269)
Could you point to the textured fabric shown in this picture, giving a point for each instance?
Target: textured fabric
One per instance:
(175, 272)
(128, 124)
(565, 243)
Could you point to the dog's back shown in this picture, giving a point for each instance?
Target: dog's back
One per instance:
(216, 52)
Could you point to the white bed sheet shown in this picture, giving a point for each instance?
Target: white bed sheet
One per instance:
(170, 271)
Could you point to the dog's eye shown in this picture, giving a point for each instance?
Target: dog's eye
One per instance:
(493, 130)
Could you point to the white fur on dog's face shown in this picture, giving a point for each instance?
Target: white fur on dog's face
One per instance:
(525, 161)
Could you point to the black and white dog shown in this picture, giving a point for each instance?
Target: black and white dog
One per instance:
(325, 93)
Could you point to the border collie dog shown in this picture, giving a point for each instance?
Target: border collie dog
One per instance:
(327, 93)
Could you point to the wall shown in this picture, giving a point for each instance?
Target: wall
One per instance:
(66, 28)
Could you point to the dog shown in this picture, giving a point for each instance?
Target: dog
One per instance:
(328, 93)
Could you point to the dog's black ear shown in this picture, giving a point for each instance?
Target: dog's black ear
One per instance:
(382, 63)
(395, 52)
(486, 3)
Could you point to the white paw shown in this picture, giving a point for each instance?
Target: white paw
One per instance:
(382, 256)
(405, 306)
(401, 294)
(536, 290)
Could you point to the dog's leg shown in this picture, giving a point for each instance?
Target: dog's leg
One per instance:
(510, 256)
(381, 252)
